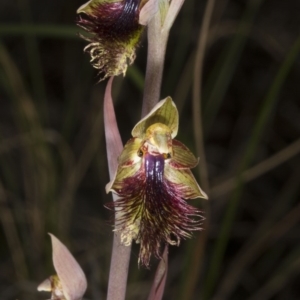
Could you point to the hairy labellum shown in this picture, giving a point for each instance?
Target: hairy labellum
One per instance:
(113, 32)
(151, 202)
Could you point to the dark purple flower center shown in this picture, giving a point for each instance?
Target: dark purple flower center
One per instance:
(129, 12)
(154, 169)
(117, 20)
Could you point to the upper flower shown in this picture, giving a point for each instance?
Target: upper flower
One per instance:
(152, 181)
(114, 31)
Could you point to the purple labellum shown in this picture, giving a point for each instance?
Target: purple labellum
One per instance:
(112, 20)
(131, 10)
(154, 169)
(151, 201)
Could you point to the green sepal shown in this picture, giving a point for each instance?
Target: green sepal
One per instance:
(164, 112)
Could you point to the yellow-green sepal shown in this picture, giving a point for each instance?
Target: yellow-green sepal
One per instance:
(182, 157)
(122, 173)
(185, 183)
(164, 112)
(129, 155)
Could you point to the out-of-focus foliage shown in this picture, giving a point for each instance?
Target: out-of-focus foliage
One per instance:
(53, 166)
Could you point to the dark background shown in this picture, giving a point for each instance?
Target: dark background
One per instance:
(53, 167)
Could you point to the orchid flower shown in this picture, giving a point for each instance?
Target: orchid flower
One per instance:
(70, 282)
(152, 181)
(114, 30)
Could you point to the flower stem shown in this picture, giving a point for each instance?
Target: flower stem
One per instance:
(157, 43)
(119, 265)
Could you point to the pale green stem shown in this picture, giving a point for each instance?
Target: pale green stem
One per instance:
(158, 35)
(119, 266)
(157, 43)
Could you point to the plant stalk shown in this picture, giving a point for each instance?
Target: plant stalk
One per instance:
(157, 43)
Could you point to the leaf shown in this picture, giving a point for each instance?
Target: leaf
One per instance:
(114, 145)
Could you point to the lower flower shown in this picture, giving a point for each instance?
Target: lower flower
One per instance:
(153, 181)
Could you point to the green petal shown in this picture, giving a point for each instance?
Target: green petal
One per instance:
(186, 184)
(182, 157)
(129, 154)
(164, 112)
(121, 174)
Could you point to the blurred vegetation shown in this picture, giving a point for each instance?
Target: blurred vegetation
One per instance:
(53, 166)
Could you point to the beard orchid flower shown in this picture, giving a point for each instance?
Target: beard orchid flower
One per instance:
(114, 29)
(153, 181)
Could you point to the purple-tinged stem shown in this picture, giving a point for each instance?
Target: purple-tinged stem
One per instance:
(118, 270)
(158, 285)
